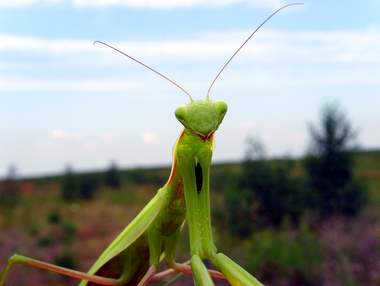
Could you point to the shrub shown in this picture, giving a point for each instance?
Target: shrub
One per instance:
(294, 256)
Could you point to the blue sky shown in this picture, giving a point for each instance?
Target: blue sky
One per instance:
(66, 101)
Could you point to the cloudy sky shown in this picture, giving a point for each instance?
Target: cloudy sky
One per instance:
(65, 101)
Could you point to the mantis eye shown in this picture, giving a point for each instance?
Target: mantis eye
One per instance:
(221, 107)
(180, 113)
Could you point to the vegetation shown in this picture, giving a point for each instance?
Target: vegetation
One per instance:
(279, 256)
(76, 186)
(292, 252)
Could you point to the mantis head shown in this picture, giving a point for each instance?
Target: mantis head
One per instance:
(202, 117)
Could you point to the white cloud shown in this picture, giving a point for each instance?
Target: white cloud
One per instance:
(34, 44)
(273, 45)
(169, 4)
(58, 134)
(167, 48)
(330, 58)
(242, 79)
(17, 3)
(152, 4)
(149, 137)
(8, 84)
(86, 140)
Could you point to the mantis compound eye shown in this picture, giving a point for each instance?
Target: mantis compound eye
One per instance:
(221, 108)
(180, 113)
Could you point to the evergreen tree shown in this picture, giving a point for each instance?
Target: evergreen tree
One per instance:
(330, 167)
(112, 176)
(88, 186)
(70, 187)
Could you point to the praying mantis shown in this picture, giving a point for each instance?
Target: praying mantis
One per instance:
(135, 254)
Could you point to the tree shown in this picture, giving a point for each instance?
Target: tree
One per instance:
(70, 185)
(329, 165)
(10, 189)
(112, 176)
(88, 186)
(76, 186)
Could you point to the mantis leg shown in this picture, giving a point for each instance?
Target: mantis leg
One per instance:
(234, 273)
(154, 241)
(187, 269)
(148, 275)
(183, 269)
(200, 272)
(19, 259)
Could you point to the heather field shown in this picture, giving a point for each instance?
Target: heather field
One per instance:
(334, 251)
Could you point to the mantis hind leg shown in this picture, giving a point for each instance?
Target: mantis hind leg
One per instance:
(19, 259)
(234, 273)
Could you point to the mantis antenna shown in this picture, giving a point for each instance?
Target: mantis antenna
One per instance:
(148, 67)
(250, 36)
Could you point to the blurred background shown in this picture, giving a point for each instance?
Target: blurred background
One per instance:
(87, 135)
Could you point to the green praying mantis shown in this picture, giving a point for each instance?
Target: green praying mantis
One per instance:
(134, 256)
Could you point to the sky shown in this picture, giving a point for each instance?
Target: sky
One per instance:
(65, 101)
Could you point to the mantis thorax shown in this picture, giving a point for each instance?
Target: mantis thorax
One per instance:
(202, 117)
